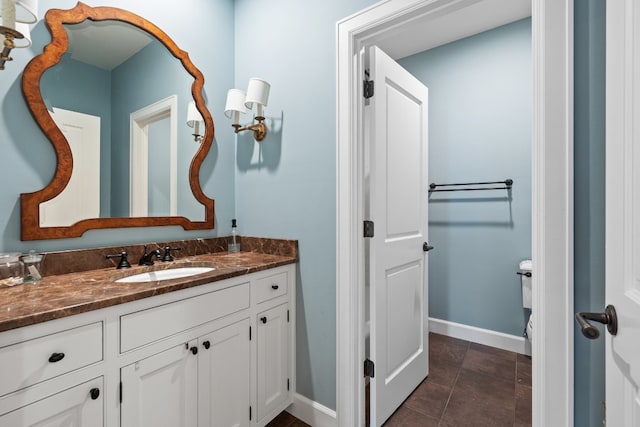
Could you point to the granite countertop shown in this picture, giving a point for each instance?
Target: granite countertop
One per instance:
(67, 294)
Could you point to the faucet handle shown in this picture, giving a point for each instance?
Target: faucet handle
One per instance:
(124, 262)
(167, 253)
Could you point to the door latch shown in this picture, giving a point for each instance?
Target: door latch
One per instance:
(609, 318)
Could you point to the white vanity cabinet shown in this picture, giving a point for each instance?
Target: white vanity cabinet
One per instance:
(273, 359)
(161, 389)
(81, 405)
(204, 382)
(215, 355)
(224, 374)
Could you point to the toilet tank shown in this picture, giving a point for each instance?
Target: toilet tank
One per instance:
(525, 280)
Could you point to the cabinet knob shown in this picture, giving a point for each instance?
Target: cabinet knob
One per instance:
(274, 287)
(263, 319)
(194, 350)
(206, 345)
(56, 357)
(94, 393)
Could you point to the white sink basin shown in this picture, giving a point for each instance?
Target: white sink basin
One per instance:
(174, 273)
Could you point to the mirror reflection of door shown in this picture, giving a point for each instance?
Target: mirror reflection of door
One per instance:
(153, 167)
(80, 199)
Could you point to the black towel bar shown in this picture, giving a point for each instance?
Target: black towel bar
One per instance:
(507, 186)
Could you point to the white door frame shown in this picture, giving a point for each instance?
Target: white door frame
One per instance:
(139, 154)
(552, 202)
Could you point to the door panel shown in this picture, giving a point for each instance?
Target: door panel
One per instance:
(623, 211)
(82, 192)
(396, 121)
(273, 359)
(161, 390)
(72, 407)
(224, 377)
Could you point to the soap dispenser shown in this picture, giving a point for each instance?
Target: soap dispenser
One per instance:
(234, 245)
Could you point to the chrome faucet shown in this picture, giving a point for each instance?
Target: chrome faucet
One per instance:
(147, 258)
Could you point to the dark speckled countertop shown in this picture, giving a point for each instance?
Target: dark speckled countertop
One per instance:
(64, 295)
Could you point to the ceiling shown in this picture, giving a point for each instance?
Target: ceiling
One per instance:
(105, 44)
(426, 33)
(108, 44)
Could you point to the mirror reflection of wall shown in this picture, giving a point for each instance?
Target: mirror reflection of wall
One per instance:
(111, 70)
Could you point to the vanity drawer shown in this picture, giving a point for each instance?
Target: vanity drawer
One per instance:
(146, 326)
(30, 362)
(270, 287)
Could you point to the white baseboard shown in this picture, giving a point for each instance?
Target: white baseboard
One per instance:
(481, 336)
(311, 412)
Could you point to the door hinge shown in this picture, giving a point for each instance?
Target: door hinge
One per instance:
(249, 333)
(369, 368)
(120, 391)
(288, 384)
(287, 316)
(368, 229)
(367, 89)
(249, 413)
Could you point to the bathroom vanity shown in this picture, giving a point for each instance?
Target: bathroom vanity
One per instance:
(213, 349)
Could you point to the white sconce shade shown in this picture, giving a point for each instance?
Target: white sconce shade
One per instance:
(23, 11)
(22, 29)
(193, 115)
(257, 93)
(193, 120)
(14, 31)
(235, 104)
(26, 11)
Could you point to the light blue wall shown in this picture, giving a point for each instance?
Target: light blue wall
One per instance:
(479, 130)
(285, 186)
(205, 30)
(589, 208)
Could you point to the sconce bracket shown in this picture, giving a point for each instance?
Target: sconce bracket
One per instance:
(259, 129)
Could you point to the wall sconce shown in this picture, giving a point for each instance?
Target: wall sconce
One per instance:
(237, 102)
(193, 121)
(16, 14)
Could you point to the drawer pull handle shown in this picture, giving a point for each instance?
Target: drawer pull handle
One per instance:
(194, 350)
(56, 357)
(274, 287)
(95, 393)
(206, 345)
(263, 319)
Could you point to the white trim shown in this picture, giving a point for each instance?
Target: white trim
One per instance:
(552, 192)
(139, 146)
(552, 220)
(480, 336)
(312, 413)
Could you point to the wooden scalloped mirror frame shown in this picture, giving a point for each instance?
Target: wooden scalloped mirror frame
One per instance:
(31, 228)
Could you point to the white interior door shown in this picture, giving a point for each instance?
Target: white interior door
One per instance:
(80, 199)
(397, 127)
(623, 211)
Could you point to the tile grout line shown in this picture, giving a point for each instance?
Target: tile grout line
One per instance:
(455, 381)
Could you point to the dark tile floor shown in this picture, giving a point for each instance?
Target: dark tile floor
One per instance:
(469, 385)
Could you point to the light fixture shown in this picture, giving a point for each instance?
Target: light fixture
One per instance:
(193, 121)
(237, 102)
(15, 15)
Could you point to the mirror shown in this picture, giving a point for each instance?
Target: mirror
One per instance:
(111, 92)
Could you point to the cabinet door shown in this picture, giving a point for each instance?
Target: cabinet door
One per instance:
(161, 390)
(224, 377)
(273, 359)
(81, 405)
